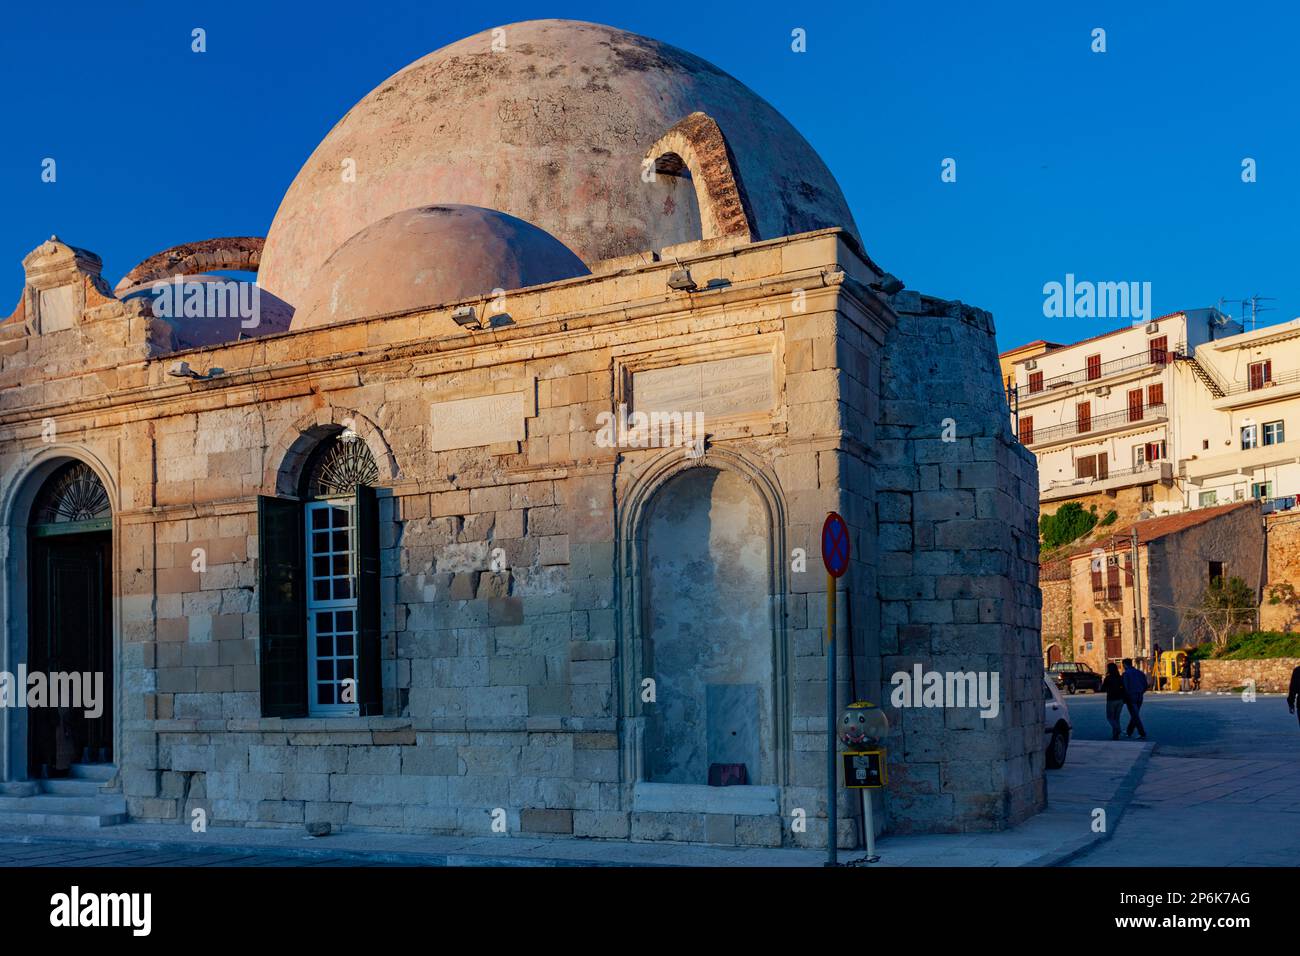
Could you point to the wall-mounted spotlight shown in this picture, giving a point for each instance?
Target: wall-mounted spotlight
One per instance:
(183, 370)
(467, 318)
(681, 281)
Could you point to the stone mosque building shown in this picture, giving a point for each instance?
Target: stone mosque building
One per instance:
(500, 509)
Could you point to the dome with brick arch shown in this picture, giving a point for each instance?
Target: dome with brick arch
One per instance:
(550, 121)
(430, 256)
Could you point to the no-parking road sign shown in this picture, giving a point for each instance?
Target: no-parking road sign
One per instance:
(835, 545)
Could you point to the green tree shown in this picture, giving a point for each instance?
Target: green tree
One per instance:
(1224, 606)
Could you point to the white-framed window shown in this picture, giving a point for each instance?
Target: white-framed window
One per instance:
(331, 608)
(1208, 499)
(1274, 434)
(1249, 437)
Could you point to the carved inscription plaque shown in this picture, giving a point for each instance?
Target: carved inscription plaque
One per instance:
(723, 388)
(471, 422)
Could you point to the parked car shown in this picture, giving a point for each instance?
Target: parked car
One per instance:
(1073, 677)
(1056, 724)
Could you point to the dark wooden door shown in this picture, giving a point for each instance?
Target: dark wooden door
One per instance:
(71, 631)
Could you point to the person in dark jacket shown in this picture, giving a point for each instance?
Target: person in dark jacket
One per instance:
(1135, 685)
(1293, 692)
(1196, 674)
(1113, 688)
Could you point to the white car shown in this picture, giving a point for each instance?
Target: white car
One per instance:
(1056, 724)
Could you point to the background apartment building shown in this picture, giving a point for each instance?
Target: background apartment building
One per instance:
(1237, 397)
(1100, 415)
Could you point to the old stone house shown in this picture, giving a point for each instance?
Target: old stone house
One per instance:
(1125, 600)
(504, 506)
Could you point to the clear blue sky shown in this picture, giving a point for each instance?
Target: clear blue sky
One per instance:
(1117, 166)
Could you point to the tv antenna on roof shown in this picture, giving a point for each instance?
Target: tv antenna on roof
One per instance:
(1255, 308)
(1255, 300)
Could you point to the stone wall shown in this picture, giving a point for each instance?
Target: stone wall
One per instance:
(513, 574)
(1282, 540)
(956, 499)
(1271, 675)
(1057, 615)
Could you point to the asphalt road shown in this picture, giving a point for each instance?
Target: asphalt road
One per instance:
(1201, 725)
(1222, 787)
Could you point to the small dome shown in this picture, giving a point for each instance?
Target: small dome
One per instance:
(430, 256)
(208, 309)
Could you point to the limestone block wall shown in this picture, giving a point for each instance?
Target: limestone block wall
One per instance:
(958, 555)
(1271, 675)
(515, 642)
(1057, 615)
(1282, 544)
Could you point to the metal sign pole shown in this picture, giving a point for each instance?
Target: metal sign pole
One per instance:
(831, 793)
(868, 825)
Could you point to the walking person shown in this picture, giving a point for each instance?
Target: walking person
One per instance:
(1113, 687)
(1135, 685)
(1293, 692)
(1196, 674)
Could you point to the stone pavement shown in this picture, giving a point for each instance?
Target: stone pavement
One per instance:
(1096, 774)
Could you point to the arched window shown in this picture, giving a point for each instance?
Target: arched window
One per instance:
(71, 501)
(319, 587)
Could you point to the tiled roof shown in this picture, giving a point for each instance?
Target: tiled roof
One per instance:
(1153, 528)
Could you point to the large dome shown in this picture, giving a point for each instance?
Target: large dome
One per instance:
(551, 128)
(431, 256)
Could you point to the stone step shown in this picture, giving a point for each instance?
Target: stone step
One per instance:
(78, 820)
(103, 772)
(49, 803)
(72, 787)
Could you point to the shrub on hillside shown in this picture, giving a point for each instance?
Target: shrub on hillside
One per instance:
(1069, 523)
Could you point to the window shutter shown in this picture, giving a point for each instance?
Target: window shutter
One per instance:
(280, 607)
(370, 694)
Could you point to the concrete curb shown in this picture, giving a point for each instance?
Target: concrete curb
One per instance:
(1120, 801)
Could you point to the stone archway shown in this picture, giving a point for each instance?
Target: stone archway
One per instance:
(84, 554)
(707, 632)
(698, 531)
(286, 458)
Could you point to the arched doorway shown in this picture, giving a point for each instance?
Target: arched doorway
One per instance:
(707, 626)
(1053, 654)
(70, 631)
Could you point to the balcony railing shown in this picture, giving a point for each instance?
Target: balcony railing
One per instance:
(1240, 388)
(1099, 372)
(1095, 423)
(1135, 471)
(1274, 505)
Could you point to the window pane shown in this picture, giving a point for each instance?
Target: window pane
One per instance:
(342, 589)
(324, 622)
(341, 542)
(345, 621)
(319, 519)
(344, 645)
(324, 693)
(320, 590)
(342, 564)
(325, 670)
(325, 646)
